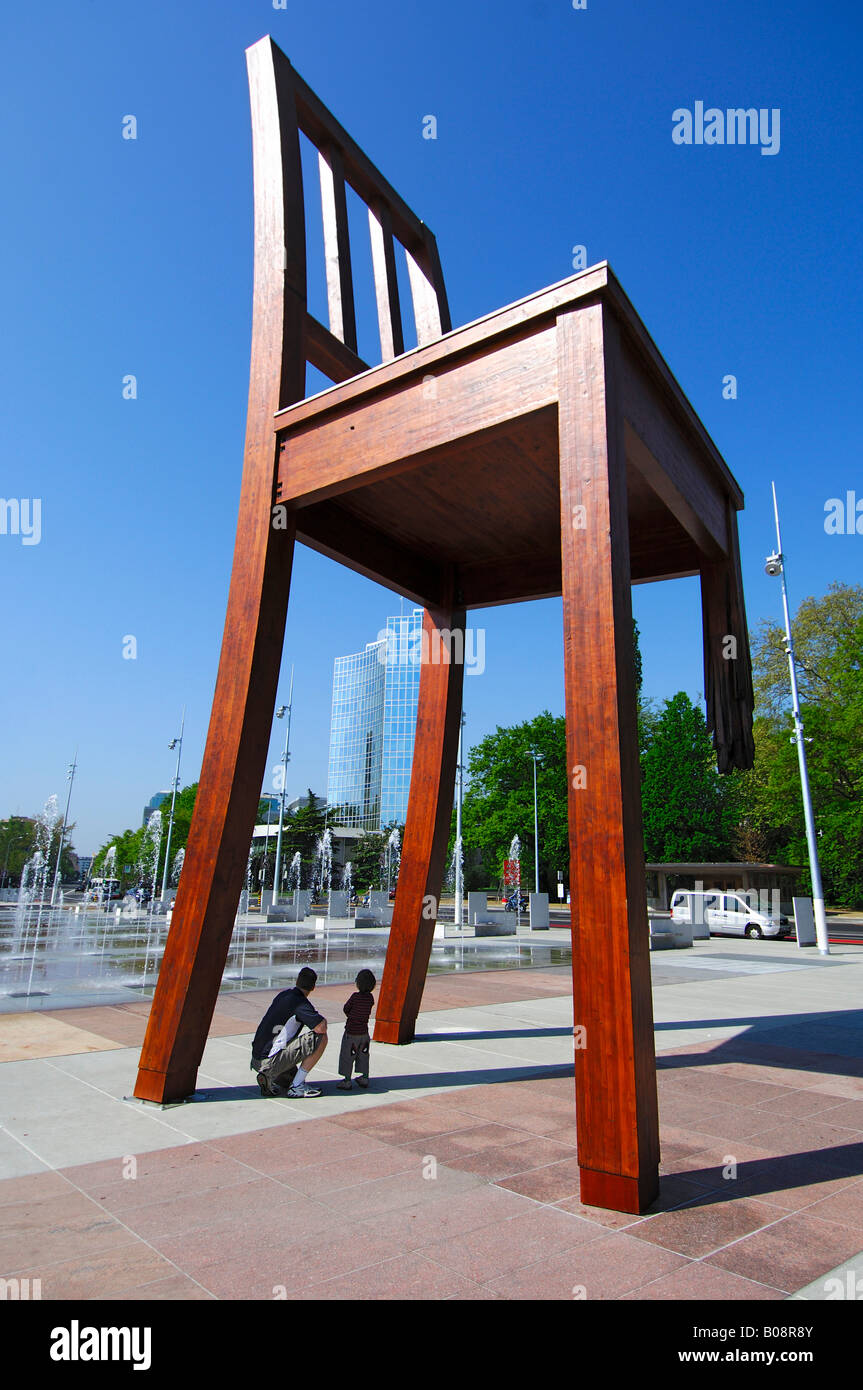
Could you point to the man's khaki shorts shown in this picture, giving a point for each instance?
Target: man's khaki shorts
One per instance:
(281, 1068)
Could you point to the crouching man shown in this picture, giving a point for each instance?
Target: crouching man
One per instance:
(290, 1040)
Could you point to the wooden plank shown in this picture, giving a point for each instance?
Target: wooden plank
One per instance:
(426, 831)
(616, 1103)
(321, 127)
(386, 282)
(675, 472)
(374, 437)
(337, 247)
(329, 354)
(366, 549)
(727, 664)
(239, 732)
(430, 314)
(534, 312)
(518, 577)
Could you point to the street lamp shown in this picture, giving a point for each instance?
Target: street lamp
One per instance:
(775, 566)
(459, 871)
(537, 758)
(178, 744)
(70, 777)
(286, 757)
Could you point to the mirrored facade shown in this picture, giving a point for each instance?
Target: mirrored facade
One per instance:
(375, 695)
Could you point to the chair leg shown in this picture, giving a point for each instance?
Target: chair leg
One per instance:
(229, 790)
(426, 828)
(615, 1065)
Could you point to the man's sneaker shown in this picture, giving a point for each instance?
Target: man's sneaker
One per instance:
(264, 1084)
(303, 1092)
(362, 1081)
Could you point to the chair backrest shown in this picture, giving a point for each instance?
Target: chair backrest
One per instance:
(283, 105)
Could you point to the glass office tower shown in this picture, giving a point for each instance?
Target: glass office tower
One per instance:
(375, 695)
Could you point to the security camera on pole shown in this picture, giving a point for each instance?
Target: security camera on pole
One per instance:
(775, 565)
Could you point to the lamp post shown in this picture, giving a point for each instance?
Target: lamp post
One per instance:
(775, 565)
(70, 777)
(286, 757)
(537, 758)
(459, 872)
(178, 744)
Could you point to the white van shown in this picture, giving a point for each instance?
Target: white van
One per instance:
(725, 914)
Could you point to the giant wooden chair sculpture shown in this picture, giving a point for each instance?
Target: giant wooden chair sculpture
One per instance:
(406, 473)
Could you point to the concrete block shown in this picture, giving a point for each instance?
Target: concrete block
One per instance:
(338, 903)
(539, 912)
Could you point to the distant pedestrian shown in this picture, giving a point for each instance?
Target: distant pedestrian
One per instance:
(356, 1041)
(290, 1040)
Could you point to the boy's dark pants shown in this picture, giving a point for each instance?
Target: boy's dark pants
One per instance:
(354, 1053)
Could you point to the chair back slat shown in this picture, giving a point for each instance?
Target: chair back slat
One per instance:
(431, 311)
(341, 163)
(337, 247)
(386, 282)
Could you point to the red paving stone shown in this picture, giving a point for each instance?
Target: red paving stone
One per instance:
(347, 1208)
(708, 1224)
(791, 1253)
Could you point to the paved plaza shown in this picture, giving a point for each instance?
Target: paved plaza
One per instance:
(455, 1176)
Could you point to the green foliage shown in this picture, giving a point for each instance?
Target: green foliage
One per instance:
(18, 843)
(498, 802)
(828, 640)
(689, 811)
(367, 856)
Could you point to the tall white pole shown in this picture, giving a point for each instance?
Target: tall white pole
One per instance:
(535, 825)
(285, 759)
(459, 873)
(179, 743)
(71, 776)
(811, 839)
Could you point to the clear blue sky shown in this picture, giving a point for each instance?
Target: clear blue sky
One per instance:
(554, 129)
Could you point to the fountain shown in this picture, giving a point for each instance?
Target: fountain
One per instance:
(323, 871)
(294, 873)
(149, 866)
(512, 880)
(177, 867)
(26, 894)
(394, 857)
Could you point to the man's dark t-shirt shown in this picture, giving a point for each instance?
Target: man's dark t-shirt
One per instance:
(291, 1003)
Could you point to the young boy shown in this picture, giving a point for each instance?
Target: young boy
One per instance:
(355, 1043)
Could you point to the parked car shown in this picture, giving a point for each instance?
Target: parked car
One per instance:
(726, 914)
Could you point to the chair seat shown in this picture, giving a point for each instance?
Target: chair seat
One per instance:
(448, 457)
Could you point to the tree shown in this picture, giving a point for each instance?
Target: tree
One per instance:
(19, 840)
(689, 811)
(367, 856)
(828, 640)
(498, 802)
